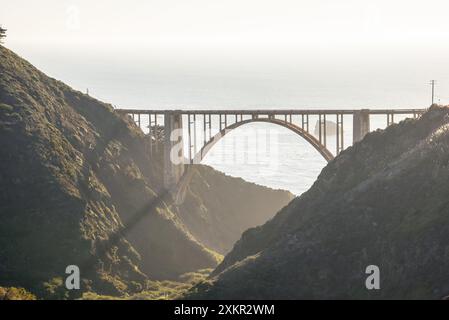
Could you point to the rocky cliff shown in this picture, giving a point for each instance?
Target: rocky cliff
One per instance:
(383, 202)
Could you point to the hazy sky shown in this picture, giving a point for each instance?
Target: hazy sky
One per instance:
(210, 24)
(321, 45)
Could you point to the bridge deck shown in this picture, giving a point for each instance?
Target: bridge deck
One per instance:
(273, 111)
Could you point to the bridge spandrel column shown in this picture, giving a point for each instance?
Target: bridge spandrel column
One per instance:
(361, 124)
(173, 150)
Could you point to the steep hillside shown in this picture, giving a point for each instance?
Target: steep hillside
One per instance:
(78, 187)
(219, 208)
(384, 202)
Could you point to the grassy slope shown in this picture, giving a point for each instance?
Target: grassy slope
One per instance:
(77, 188)
(15, 294)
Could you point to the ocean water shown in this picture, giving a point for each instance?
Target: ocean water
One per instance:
(262, 153)
(273, 156)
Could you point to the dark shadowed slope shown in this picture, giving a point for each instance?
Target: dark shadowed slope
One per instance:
(219, 208)
(384, 201)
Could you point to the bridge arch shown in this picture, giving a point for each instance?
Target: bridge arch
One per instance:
(327, 155)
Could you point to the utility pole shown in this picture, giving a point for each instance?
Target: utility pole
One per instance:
(2, 34)
(432, 83)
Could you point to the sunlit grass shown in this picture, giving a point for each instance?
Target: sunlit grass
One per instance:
(160, 290)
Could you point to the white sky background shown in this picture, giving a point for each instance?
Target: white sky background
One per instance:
(243, 24)
(335, 36)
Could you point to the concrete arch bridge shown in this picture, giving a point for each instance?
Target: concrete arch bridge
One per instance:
(200, 130)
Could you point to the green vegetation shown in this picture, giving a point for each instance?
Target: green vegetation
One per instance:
(161, 290)
(55, 288)
(15, 294)
(6, 108)
(80, 191)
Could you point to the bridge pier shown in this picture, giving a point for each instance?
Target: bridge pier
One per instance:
(361, 124)
(173, 150)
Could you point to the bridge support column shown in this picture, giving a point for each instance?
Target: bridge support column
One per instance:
(173, 150)
(361, 125)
